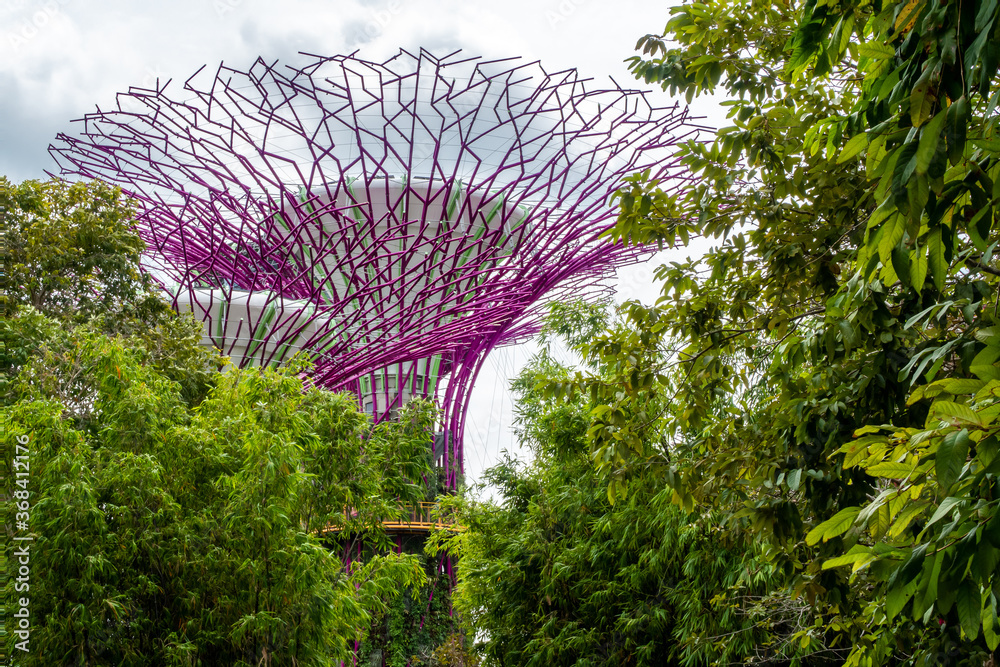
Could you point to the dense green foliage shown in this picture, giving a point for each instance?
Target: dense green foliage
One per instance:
(416, 625)
(70, 253)
(176, 511)
(798, 444)
(553, 573)
(835, 382)
(68, 249)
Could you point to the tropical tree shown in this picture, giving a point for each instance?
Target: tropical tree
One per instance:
(178, 515)
(71, 254)
(552, 572)
(845, 318)
(68, 248)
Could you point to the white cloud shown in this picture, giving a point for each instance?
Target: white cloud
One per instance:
(60, 58)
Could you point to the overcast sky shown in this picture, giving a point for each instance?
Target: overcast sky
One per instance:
(60, 58)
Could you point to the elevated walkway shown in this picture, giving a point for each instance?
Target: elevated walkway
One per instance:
(420, 520)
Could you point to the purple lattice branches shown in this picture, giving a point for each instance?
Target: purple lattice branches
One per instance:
(409, 215)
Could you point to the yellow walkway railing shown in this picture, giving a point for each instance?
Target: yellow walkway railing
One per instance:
(419, 520)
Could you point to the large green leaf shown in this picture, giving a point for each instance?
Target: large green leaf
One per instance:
(853, 147)
(951, 457)
(924, 96)
(935, 258)
(856, 555)
(897, 598)
(891, 470)
(991, 627)
(969, 603)
(834, 526)
(955, 413)
(930, 136)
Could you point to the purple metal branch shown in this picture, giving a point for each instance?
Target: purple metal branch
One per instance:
(395, 220)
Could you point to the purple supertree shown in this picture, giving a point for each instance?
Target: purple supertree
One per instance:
(396, 221)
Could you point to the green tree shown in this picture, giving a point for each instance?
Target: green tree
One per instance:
(179, 515)
(70, 253)
(69, 250)
(554, 573)
(845, 319)
(419, 627)
(171, 535)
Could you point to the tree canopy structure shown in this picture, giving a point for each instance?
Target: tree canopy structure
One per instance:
(396, 220)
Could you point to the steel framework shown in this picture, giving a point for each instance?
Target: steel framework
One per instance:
(395, 220)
